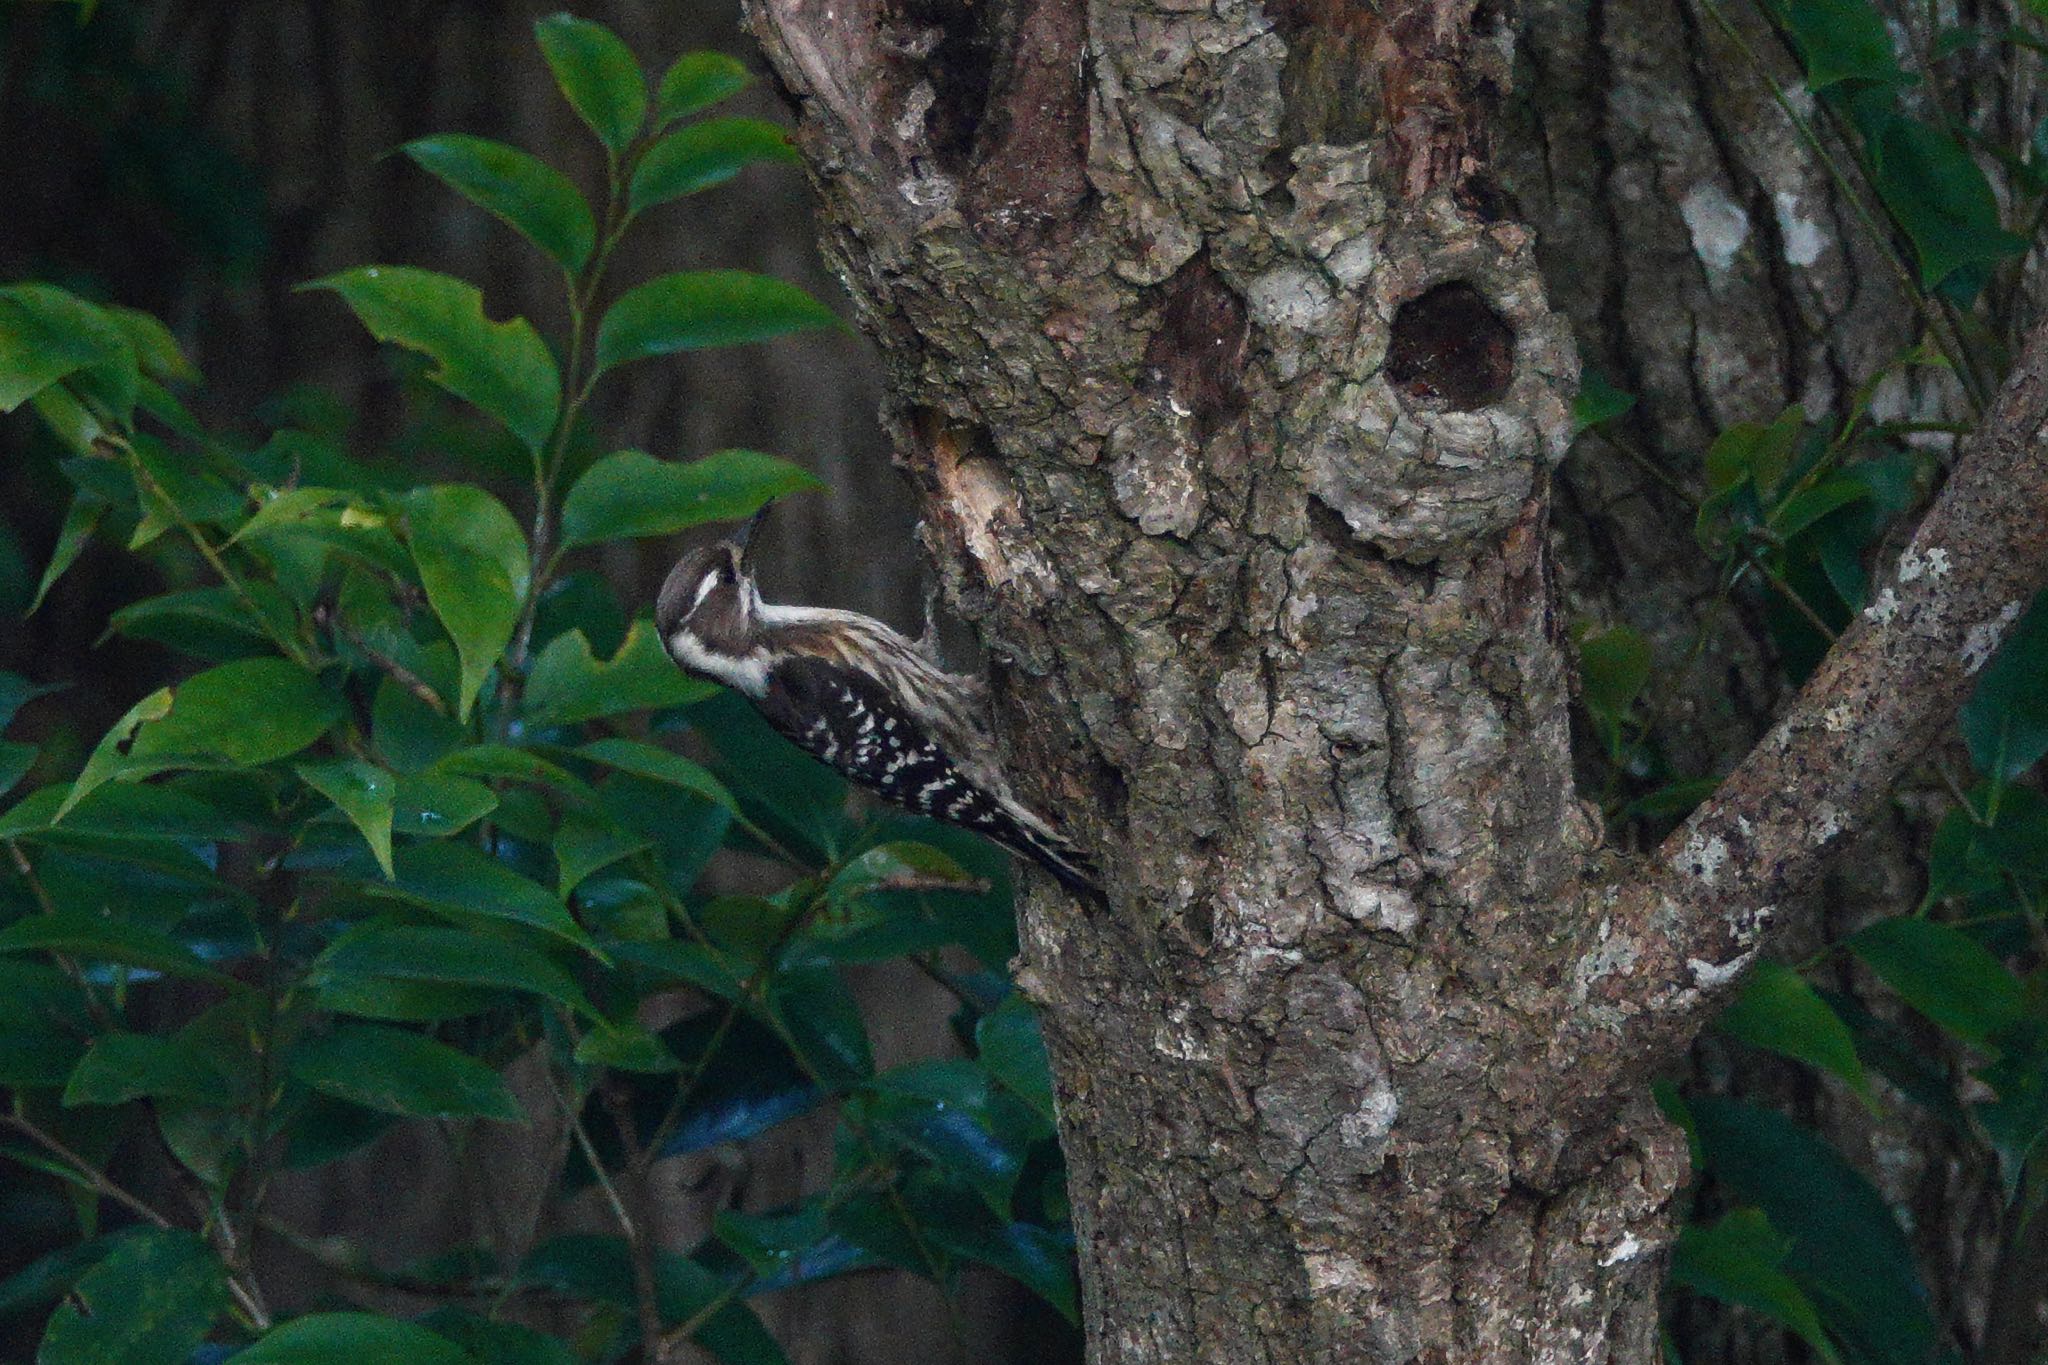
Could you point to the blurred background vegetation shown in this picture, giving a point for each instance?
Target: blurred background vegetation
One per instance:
(198, 159)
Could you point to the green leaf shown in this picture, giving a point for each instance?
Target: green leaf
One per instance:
(525, 192)
(600, 1267)
(625, 1047)
(397, 1001)
(694, 964)
(659, 765)
(472, 560)
(568, 684)
(99, 937)
(706, 154)
(79, 523)
(327, 1129)
(1848, 1256)
(1598, 401)
(632, 494)
(1754, 452)
(2005, 721)
(820, 1017)
(406, 732)
(502, 763)
(1011, 1048)
(17, 691)
(746, 1084)
(1944, 974)
(438, 805)
(796, 799)
(109, 757)
(502, 367)
(1036, 1257)
(364, 793)
(46, 334)
(461, 957)
(352, 1339)
(1940, 198)
(598, 75)
(1841, 40)
(42, 1017)
(697, 81)
(1614, 667)
(150, 1302)
(212, 623)
(1803, 509)
(156, 349)
(2017, 840)
(859, 896)
(1779, 1012)
(497, 1343)
(2018, 1119)
(15, 761)
(244, 713)
(119, 1067)
(1736, 1261)
(461, 882)
(694, 309)
(48, 1277)
(583, 845)
(788, 1249)
(402, 1073)
(947, 1112)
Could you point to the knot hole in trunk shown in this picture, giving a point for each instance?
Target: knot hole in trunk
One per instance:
(1450, 347)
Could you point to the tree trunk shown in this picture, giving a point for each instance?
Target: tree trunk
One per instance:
(1236, 426)
(1233, 393)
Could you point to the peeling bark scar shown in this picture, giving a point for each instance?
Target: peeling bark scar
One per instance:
(1449, 345)
(1197, 356)
(974, 507)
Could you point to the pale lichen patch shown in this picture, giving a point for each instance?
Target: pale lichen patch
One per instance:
(1291, 296)
(1804, 238)
(1718, 225)
(1703, 856)
(1627, 1249)
(1983, 638)
(1713, 975)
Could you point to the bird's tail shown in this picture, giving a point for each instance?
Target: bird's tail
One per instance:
(1058, 855)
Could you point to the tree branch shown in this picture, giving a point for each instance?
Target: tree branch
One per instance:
(1692, 920)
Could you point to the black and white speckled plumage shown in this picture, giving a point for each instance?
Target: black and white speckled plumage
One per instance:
(858, 696)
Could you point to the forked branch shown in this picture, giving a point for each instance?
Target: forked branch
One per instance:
(1887, 689)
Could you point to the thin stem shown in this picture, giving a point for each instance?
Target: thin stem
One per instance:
(641, 1255)
(1650, 467)
(1799, 603)
(579, 381)
(65, 962)
(640, 1249)
(293, 650)
(245, 1296)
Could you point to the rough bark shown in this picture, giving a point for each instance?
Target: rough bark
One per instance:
(1234, 397)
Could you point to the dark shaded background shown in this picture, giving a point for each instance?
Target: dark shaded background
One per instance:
(200, 158)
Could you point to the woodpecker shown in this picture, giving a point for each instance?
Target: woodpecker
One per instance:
(857, 696)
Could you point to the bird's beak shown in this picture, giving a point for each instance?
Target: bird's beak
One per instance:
(743, 538)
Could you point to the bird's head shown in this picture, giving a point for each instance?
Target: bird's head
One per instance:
(709, 609)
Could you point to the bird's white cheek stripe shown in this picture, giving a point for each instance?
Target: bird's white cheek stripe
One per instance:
(747, 674)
